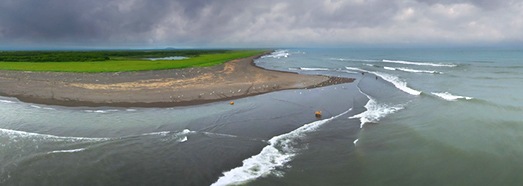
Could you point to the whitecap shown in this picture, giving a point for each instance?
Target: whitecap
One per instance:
(278, 54)
(375, 112)
(39, 107)
(165, 133)
(396, 81)
(412, 70)
(419, 71)
(14, 134)
(161, 133)
(313, 69)
(449, 97)
(67, 151)
(389, 68)
(279, 152)
(101, 111)
(184, 139)
(418, 63)
(6, 101)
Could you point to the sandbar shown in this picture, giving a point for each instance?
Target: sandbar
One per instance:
(162, 88)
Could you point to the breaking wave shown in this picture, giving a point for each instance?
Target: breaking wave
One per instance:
(418, 63)
(165, 133)
(6, 101)
(67, 151)
(281, 150)
(449, 97)
(278, 54)
(313, 69)
(412, 70)
(396, 81)
(101, 111)
(14, 135)
(39, 107)
(375, 112)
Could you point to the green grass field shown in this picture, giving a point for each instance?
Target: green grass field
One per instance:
(119, 61)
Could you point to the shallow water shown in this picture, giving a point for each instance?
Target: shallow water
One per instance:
(412, 117)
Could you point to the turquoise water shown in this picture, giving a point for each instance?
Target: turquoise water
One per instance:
(464, 128)
(449, 116)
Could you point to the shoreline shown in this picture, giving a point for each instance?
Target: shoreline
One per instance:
(163, 88)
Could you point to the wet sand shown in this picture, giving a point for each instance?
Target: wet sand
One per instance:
(162, 88)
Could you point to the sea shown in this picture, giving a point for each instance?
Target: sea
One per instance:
(413, 116)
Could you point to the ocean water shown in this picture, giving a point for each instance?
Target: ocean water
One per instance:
(451, 116)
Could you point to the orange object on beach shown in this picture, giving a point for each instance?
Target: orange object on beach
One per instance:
(232, 103)
(318, 114)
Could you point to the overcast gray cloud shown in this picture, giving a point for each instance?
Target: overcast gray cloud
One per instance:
(259, 23)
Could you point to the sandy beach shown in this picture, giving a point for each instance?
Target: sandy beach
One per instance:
(162, 88)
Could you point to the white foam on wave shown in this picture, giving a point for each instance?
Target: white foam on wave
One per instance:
(419, 71)
(313, 69)
(449, 97)
(6, 101)
(101, 111)
(375, 112)
(278, 54)
(67, 151)
(179, 136)
(396, 81)
(418, 63)
(279, 152)
(346, 71)
(14, 134)
(412, 70)
(389, 68)
(39, 107)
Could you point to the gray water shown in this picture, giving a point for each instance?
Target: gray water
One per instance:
(412, 117)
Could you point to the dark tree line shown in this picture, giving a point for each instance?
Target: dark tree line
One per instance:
(90, 56)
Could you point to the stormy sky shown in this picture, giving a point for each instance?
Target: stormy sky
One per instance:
(267, 23)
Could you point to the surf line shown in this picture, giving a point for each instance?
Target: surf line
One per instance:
(396, 81)
(275, 155)
(375, 111)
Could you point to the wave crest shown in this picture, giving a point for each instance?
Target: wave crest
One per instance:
(449, 97)
(375, 112)
(396, 81)
(418, 63)
(14, 134)
(278, 54)
(280, 151)
(412, 70)
(313, 69)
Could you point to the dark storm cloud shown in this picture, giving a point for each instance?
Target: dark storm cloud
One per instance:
(247, 23)
(74, 19)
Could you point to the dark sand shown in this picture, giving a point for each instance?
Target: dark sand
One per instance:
(162, 88)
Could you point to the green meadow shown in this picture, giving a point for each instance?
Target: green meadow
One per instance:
(115, 61)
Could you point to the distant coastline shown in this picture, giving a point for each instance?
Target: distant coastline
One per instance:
(162, 88)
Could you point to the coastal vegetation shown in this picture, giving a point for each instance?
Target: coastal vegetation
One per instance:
(116, 60)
